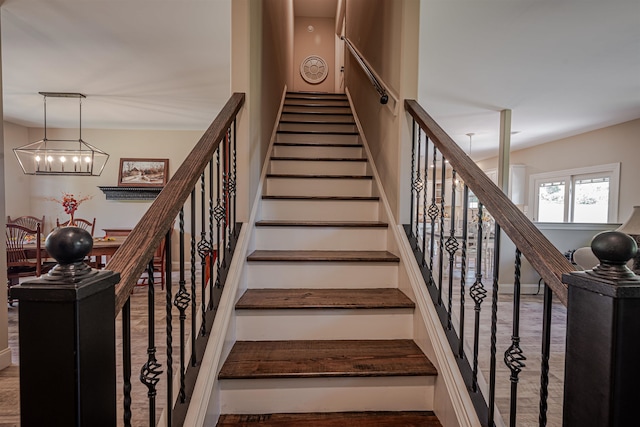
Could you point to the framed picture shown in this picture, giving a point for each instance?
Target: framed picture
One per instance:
(143, 172)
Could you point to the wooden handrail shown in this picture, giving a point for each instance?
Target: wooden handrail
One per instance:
(536, 248)
(131, 259)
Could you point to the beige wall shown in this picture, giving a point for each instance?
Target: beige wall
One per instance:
(5, 352)
(320, 42)
(386, 33)
(613, 144)
(277, 51)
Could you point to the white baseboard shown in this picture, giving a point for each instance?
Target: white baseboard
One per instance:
(5, 358)
(525, 288)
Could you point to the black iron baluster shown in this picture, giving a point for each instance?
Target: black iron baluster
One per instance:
(478, 293)
(433, 213)
(225, 195)
(452, 246)
(210, 254)
(513, 357)
(169, 326)
(150, 372)
(494, 326)
(218, 214)
(181, 301)
(233, 183)
(418, 185)
(413, 174)
(126, 362)
(443, 177)
(546, 349)
(203, 248)
(194, 294)
(463, 267)
(424, 199)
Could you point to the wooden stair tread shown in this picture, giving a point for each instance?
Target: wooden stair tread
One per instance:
(320, 159)
(318, 132)
(323, 198)
(346, 224)
(329, 256)
(323, 298)
(316, 144)
(333, 419)
(319, 113)
(325, 358)
(316, 122)
(301, 176)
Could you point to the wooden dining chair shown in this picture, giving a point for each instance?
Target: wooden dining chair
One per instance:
(27, 221)
(79, 222)
(19, 262)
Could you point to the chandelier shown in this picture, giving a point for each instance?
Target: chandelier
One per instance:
(61, 156)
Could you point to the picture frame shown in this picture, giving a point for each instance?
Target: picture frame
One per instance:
(140, 172)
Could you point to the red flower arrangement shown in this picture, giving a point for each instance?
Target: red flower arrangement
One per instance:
(70, 204)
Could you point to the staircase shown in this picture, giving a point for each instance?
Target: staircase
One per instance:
(324, 336)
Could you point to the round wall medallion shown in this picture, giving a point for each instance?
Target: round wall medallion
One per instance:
(314, 69)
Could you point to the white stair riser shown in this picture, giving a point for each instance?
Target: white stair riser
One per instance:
(344, 118)
(315, 152)
(324, 324)
(320, 110)
(310, 167)
(321, 238)
(312, 103)
(318, 210)
(318, 127)
(321, 275)
(318, 187)
(321, 138)
(327, 394)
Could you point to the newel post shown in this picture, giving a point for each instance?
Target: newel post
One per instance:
(67, 339)
(602, 365)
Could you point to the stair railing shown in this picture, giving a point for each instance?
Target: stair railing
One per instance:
(211, 163)
(444, 229)
(79, 303)
(380, 88)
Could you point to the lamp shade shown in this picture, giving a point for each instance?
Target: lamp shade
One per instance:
(632, 226)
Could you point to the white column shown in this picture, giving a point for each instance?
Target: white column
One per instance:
(5, 351)
(503, 150)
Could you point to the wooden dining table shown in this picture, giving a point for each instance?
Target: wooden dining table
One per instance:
(101, 247)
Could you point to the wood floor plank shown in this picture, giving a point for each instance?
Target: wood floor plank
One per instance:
(325, 358)
(316, 144)
(324, 298)
(334, 419)
(335, 256)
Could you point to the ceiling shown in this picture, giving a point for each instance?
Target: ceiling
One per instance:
(563, 67)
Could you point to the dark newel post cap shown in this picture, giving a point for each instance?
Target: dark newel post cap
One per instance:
(69, 246)
(613, 249)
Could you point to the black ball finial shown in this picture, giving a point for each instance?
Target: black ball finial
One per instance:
(614, 247)
(68, 245)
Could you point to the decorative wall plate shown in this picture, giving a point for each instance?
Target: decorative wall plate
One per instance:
(314, 69)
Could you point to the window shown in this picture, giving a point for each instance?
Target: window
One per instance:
(585, 195)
